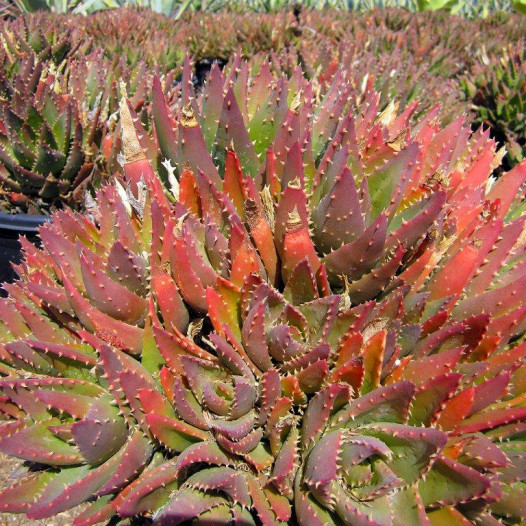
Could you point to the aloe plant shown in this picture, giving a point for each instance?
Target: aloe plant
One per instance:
(497, 89)
(319, 319)
(42, 158)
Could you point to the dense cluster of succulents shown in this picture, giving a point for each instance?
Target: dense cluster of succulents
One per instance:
(177, 8)
(407, 57)
(317, 320)
(59, 114)
(497, 89)
(41, 140)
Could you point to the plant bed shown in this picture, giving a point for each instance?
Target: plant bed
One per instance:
(11, 227)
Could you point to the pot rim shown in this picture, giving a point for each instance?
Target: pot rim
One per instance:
(22, 222)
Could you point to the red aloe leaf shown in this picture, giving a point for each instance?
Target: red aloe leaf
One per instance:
(235, 429)
(150, 491)
(308, 510)
(62, 351)
(20, 352)
(216, 248)
(320, 352)
(490, 391)
(385, 404)
(13, 320)
(232, 130)
(191, 234)
(373, 356)
(280, 505)
(508, 187)
(285, 465)
(134, 455)
(127, 268)
(261, 504)
(187, 406)
(193, 150)
(414, 448)
(301, 286)
(164, 124)
(187, 279)
(238, 363)
(19, 497)
(66, 402)
(281, 408)
(115, 332)
(254, 337)
(338, 217)
(37, 444)
(245, 396)
(175, 345)
(52, 296)
(436, 339)
(203, 452)
(107, 477)
(96, 512)
(297, 246)
(354, 258)
(212, 104)
(292, 165)
(450, 483)
(372, 284)
(174, 434)
(223, 306)
(452, 277)
(430, 397)
(507, 239)
(270, 392)
(418, 371)
(322, 465)
(64, 254)
(187, 504)
(189, 192)
(222, 479)
(263, 237)
(42, 328)
(490, 419)
(107, 295)
(455, 410)
(319, 410)
(417, 227)
(101, 433)
(233, 182)
(292, 198)
(207, 383)
(136, 164)
(245, 259)
(312, 377)
(169, 300)
(494, 302)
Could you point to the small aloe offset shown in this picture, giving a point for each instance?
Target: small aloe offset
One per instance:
(318, 320)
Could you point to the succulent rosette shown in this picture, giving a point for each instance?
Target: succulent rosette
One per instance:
(316, 319)
(43, 162)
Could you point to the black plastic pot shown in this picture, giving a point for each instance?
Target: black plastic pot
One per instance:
(202, 69)
(11, 227)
